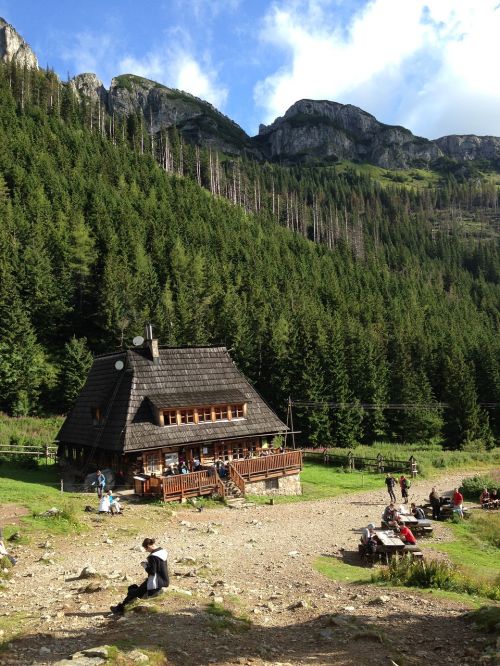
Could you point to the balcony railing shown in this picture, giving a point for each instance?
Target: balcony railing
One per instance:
(208, 482)
(276, 464)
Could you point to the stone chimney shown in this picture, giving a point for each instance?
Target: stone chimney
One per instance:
(152, 344)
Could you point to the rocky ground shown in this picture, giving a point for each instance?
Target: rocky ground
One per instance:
(256, 563)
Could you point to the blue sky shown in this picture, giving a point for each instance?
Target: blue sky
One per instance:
(428, 65)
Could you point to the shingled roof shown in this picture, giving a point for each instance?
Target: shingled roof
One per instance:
(182, 377)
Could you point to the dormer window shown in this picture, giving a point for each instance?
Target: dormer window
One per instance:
(97, 416)
(170, 417)
(186, 416)
(236, 411)
(206, 414)
(221, 412)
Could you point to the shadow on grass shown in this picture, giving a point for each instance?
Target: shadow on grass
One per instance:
(43, 475)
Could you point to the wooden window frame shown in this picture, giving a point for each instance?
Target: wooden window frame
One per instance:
(223, 411)
(148, 468)
(170, 417)
(205, 414)
(237, 412)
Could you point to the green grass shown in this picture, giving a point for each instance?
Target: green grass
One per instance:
(435, 574)
(486, 618)
(336, 569)
(30, 430)
(320, 482)
(473, 549)
(431, 458)
(225, 619)
(38, 490)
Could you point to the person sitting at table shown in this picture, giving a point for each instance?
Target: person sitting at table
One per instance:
(368, 539)
(494, 500)
(417, 511)
(406, 535)
(484, 498)
(390, 516)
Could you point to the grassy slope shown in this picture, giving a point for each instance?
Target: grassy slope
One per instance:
(319, 482)
(472, 549)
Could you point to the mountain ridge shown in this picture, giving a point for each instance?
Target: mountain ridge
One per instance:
(310, 131)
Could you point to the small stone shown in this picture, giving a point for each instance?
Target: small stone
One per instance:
(298, 604)
(100, 651)
(379, 601)
(294, 553)
(138, 657)
(88, 572)
(218, 600)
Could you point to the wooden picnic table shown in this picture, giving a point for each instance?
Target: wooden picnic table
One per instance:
(389, 540)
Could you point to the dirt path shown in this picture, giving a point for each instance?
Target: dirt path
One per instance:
(260, 562)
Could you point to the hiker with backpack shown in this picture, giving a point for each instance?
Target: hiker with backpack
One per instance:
(404, 484)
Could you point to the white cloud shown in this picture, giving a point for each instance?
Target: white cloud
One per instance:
(430, 65)
(90, 52)
(172, 64)
(178, 68)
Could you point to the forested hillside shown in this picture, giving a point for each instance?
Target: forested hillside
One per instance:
(327, 286)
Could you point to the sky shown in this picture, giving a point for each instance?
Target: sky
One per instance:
(431, 66)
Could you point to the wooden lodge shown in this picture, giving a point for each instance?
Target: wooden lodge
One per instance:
(149, 411)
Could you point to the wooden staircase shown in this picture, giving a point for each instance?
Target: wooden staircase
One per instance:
(233, 496)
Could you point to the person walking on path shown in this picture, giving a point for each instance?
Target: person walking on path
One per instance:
(99, 483)
(405, 486)
(435, 501)
(390, 482)
(157, 569)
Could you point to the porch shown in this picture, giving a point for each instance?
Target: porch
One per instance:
(240, 472)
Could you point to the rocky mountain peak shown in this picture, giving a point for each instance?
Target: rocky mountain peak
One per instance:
(14, 49)
(89, 85)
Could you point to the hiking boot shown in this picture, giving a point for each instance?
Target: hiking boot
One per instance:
(119, 609)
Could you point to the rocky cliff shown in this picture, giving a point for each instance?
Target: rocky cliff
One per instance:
(13, 48)
(318, 131)
(311, 131)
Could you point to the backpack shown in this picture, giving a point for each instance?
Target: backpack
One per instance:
(407, 484)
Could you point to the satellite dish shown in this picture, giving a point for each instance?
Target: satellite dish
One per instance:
(119, 365)
(138, 341)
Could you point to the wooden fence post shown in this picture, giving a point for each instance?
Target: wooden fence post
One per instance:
(413, 467)
(380, 463)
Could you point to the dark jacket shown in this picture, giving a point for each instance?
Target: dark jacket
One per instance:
(390, 481)
(419, 513)
(157, 569)
(434, 499)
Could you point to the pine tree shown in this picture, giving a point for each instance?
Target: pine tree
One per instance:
(75, 366)
(22, 361)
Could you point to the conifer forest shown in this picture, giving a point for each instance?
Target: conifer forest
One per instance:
(327, 285)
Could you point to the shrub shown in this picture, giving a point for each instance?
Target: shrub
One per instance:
(435, 575)
(473, 486)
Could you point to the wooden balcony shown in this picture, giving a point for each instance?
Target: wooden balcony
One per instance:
(207, 482)
(194, 484)
(268, 467)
